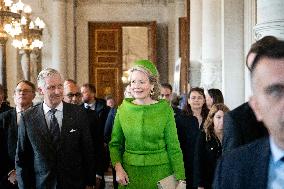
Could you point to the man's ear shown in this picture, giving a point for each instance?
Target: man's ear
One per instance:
(255, 107)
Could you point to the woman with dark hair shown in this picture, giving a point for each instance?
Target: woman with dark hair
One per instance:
(208, 147)
(196, 105)
(214, 96)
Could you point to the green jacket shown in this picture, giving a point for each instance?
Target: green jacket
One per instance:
(145, 135)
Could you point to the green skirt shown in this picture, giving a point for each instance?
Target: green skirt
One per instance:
(145, 177)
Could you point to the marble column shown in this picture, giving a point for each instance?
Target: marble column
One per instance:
(195, 41)
(211, 68)
(59, 41)
(233, 52)
(270, 19)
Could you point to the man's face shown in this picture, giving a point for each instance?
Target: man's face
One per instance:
(110, 102)
(268, 98)
(23, 95)
(87, 95)
(52, 91)
(166, 94)
(72, 94)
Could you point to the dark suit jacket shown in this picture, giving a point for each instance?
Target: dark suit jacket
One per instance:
(188, 131)
(8, 145)
(97, 134)
(245, 167)
(205, 160)
(241, 127)
(109, 125)
(70, 163)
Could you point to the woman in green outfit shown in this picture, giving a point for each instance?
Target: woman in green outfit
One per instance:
(144, 146)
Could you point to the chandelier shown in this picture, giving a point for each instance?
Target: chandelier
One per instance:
(30, 37)
(10, 15)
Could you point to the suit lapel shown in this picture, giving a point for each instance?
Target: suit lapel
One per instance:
(261, 165)
(39, 120)
(67, 121)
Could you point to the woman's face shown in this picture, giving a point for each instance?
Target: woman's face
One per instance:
(218, 121)
(196, 100)
(140, 85)
(209, 101)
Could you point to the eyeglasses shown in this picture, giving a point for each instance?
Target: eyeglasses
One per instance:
(71, 95)
(18, 91)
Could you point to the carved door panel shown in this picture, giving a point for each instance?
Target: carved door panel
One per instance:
(105, 56)
(184, 53)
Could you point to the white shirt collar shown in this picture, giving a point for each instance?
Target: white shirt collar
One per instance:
(19, 111)
(92, 105)
(47, 108)
(276, 152)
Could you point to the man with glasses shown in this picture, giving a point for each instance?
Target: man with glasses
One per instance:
(23, 95)
(72, 92)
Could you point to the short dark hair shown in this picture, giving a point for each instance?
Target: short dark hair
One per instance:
(167, 85)
(90, 86)
(107, 97)
(259, 46)
(1, 89)
(216, 95)
(29, 83)
(71, 81)
(274, 50)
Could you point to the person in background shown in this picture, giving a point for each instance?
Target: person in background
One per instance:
(97, 112)
(196, 105)
(144, 146)
(209, 147)
(240, 125)
(213, 96)
(54, 148)
(3, 105)
(188, 131)
(23, 96)
(72, 92)
(260, 164)
(110, 102)
(166, 91)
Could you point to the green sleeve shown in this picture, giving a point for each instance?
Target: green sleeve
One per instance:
(173, 147)
(116, 145)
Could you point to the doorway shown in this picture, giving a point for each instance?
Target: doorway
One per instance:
(113, 47)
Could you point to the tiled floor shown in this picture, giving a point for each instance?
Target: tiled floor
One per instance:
(108, 180)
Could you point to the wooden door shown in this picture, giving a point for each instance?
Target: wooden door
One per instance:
(105, 55)
(105, 68)
(184, 53)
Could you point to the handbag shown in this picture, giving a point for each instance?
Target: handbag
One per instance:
(170, 182)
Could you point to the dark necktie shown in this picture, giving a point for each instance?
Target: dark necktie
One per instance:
(54, 127)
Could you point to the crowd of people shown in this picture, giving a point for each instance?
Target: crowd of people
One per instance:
(68, 140)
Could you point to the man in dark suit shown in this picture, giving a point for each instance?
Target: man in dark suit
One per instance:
(23, 95)
(54, 149)
(3, 105)
(72, 92)
(260, 164)
(97, 112)
(240, 125)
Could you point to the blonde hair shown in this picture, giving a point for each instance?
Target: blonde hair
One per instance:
(154, 80)
(209, 124)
